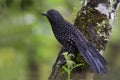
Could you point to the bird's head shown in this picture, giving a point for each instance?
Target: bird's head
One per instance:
(53, 15)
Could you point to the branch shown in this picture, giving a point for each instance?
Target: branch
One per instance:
(95, 20)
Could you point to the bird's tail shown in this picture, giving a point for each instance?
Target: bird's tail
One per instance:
(93, 58)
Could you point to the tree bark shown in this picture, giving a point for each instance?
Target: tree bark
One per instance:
(95, 20)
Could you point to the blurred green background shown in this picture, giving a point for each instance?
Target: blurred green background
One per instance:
(28, 48)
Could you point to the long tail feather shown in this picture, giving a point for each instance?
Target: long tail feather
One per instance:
(92, 57)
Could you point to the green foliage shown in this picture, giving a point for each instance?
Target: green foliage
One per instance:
(70, 64)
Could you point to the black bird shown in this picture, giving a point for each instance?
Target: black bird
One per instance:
(74, 41)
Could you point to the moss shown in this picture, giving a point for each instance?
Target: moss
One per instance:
(72, 62)
(80, 60)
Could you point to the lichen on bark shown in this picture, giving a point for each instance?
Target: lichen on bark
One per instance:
(94, 25)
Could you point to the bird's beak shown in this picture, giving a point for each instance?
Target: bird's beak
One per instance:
(44, 13)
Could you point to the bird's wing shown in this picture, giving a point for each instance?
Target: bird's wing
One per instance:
(92, 56)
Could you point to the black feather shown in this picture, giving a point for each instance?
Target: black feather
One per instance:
(93, 58)
(74, 41)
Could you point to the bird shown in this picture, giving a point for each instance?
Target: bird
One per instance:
(73, 41)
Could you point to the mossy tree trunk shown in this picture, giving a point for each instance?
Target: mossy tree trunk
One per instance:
(95, 21)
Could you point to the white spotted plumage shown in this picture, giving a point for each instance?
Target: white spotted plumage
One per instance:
(74, 41)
